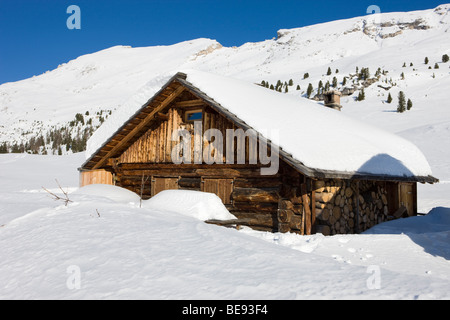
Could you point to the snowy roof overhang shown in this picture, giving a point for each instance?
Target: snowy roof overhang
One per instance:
(318, 142)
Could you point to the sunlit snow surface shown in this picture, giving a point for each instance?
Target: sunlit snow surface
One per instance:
(118, 250)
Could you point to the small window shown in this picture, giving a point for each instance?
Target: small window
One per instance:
(192, 116)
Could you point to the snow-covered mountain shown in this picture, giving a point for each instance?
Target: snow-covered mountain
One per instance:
(394, 44)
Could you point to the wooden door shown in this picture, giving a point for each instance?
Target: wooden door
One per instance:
(221, 187)
(163, 183)
(407, 197)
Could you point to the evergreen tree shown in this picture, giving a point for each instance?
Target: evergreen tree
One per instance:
(378, 72)
(389, 99)
(445, 58)
(361, 95)
(404, 64)
(329, 71)
(320, 84)
(364, 74)
(271, 87)
(426, 60)
(291, 82)
(306, 75)
(309, 90)
(344, 81)
(436, 66)
(3, 148)
(79, 118)
(401, 102)
(286, 89)
(335, 82)
(402, 76)
(298, 87)
(409, 104)
(279, 84)
(337, 71)
(15, 148)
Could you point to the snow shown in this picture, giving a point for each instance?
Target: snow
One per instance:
(104, 246)
(199, 205)
(123, 251)
(110, 192)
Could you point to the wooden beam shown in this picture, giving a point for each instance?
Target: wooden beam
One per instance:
(190, 103)
(254, 223)
(161, 116)
(141, 125)
(307, 210)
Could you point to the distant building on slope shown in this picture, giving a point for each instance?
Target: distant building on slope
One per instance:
(278, 163)
(332, 99)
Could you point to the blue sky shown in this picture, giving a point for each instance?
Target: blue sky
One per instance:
(34, 36)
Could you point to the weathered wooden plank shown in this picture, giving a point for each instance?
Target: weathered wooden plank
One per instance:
(252, 221)
(255, 195)
(190, 103)
(285, 215)
(255, 207)
(307, 210)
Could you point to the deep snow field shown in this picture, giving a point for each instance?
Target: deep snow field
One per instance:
(103, 245)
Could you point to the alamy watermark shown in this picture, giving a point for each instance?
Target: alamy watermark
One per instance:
(73, 281)
(374, 281)
(375, 13)
(208, 147)
(74, 20)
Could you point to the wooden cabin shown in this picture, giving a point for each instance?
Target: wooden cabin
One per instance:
(297, 197)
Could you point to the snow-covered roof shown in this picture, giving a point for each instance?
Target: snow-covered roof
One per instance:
(317, 137)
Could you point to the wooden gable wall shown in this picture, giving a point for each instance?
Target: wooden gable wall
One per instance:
(156, 145)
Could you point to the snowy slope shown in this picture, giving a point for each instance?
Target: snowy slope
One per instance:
(104, 247)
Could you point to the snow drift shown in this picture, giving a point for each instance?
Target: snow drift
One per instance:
(196, 204)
